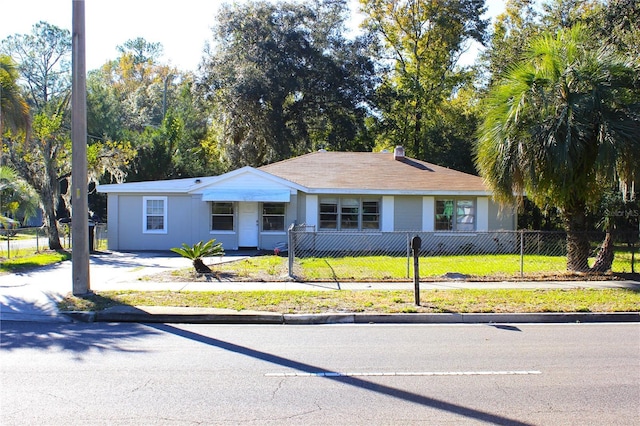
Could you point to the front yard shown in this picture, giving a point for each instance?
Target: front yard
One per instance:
(387, 301)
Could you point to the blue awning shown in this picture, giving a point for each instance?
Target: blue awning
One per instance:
(256, 195)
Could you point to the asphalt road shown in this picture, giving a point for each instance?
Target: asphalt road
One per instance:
(137, 374)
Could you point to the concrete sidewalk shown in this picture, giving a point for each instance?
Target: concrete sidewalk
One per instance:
(33, 296)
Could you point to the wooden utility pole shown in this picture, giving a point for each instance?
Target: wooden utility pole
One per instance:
(79, 203)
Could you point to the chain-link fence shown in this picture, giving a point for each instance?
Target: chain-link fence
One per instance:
(21, 241)
(325, 255)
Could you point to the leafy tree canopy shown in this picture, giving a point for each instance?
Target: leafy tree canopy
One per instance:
(44, 61)
(281, 80)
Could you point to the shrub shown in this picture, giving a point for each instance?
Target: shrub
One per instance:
(199, 250)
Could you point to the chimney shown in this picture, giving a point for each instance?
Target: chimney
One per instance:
(398, 153)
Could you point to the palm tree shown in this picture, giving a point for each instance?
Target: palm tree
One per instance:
(14, 111)
(198, 251)
(560, 127)
(16, 195)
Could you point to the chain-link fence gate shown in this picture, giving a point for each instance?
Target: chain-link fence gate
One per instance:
(326, 255)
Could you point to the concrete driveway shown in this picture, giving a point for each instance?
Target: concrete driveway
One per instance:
(32, 296)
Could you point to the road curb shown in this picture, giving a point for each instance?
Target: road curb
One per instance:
(455, 318)
(199, 316)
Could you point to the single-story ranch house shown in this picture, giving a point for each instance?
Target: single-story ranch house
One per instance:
(355, 192)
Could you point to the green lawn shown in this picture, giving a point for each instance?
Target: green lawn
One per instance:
(393, 268)
(25, 259)
(387, 301)
(386, 267)
(499, 266)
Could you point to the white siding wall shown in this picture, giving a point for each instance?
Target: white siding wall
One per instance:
(112, 217)
(248, 180)
(428, 213)
(407, 213)
(482, 215)
(312, 210)
(129, 225)
(387, 214)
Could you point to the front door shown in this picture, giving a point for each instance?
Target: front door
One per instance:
(248, 227)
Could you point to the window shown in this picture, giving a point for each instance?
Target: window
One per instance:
(222, 216)
(444, 215)
(370, 214)
(465, 216)
(455, 215)
(329, 213)
(273, 216)
(349, 214)
(154, 215)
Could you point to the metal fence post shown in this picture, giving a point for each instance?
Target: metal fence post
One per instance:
(416, 243)
(291, 249)
(408, 255)
(522, 252)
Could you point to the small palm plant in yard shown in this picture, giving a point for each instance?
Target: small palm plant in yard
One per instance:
(199, 250)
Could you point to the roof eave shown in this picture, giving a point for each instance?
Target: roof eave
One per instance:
(423, 192)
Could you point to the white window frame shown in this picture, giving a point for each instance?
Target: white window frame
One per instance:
(263, 216)
(342, 204)
(454, 217)
(233, 214)
(145, 215)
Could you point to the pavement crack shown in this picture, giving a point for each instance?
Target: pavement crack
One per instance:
(304, 413)
(144, 385)
(277, 389)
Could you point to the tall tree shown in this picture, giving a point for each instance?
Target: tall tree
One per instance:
(44, 59)
(42, 157)
(422, 41)
(281, 79)
(137, 88)
(559, 14)
(510, 35)
(39, 158)
(194, 154)
(141, 50)
(562, 126)
(619, 25)
(453, 125)
(136, 98)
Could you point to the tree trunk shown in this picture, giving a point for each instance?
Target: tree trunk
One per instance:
(49, 191)
(200, 267)
(51, 226)
(578, 248)
(577, 252)
(604, 260)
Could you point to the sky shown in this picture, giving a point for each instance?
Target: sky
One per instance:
(181, 26)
